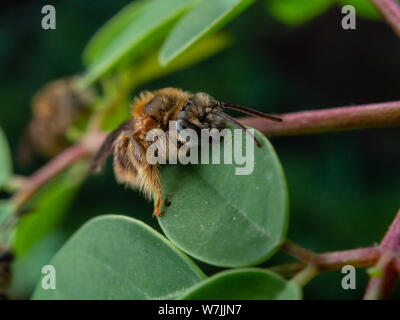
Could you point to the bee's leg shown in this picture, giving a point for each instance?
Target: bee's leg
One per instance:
(125, 171)
(147, 176)
(153, 183)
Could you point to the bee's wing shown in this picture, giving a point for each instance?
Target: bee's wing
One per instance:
(106, 149)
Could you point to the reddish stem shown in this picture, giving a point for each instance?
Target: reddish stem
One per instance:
(358, 258)
(57, 165)
(390, 10)
(330, 260)
(335, 119)
(297, 251)
(382, 287)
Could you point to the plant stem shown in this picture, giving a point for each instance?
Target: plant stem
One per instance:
(305, 275)
(287, 269)
(336, 119)
(382, 287)
(297, 251)
(57, 165)
(328, 261)
(363, 257)
(390, 10)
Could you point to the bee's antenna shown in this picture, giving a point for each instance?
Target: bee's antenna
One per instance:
(249, 111)
(237, 124)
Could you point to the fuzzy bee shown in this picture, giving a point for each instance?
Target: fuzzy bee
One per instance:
(155, 110)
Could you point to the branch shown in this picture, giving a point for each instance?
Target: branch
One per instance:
(57, 165)
(390, 10)
(305, 275)
(328, 261)
(336, 119)
(381, 287)
(30, 186)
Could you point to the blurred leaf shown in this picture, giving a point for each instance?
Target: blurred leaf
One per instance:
(136, 26)
(49, 209)
(204, 19)
(149, 69)
(27, 269)
(244, 284)
(6, 210)
(114, 116)
(225, 219)
(297, 12)
(6, 169)
(116, 257)
(364, 8)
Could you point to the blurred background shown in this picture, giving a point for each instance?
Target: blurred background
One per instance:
(344, 187)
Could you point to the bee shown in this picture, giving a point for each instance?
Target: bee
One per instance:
(155, 110)
(55, 107)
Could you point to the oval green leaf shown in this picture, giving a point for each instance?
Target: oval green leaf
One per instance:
(204, 19)
(116, 257)
(244, 284)
(139, 24)
(6, 168)
(226, 219)
(49, 208)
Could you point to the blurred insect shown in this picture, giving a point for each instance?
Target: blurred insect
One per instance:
(55, 108)
(154, 110)
(6, 259)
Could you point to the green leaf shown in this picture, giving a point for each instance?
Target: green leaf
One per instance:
(137, 26)
(151, 69)
(6, 169)
(244, 284)
(49, 209)
(364, 8)
(26, 270)
(297, 12)
(116, 257)
(201, 21)
(226, 219)
(6, 210)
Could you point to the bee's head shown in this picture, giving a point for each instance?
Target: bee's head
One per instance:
(197, 113)
(201, 111)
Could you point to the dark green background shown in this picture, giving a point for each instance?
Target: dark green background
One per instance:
(343, 186)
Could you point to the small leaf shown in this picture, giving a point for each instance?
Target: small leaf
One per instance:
(364, 8)
(226, 219)
(201, 21)
(375, 272)
(244, 284)
(116, 257)
(297, 12)
(138, 25)
(6, 169)
(49, 209)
